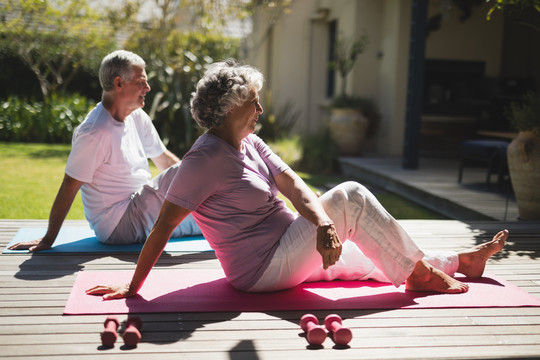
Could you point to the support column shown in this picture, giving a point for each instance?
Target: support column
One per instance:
(415, 84)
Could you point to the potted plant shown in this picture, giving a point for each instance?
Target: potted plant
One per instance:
(351, 117)
(524, 155)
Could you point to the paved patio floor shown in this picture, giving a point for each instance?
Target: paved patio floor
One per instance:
(434, 185)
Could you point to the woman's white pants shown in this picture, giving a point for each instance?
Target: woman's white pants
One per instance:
(375, 246)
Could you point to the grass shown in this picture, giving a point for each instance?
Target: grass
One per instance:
(399, 207)
(31, 175)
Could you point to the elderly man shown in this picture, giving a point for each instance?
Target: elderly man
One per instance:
(109, 163)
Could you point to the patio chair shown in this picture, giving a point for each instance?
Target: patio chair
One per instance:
(488, 153)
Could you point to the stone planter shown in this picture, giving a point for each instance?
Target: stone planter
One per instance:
(348, 129)
(524, 167)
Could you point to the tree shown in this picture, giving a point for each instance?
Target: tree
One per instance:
(57, 39)
(178, 40)
(346, 51)
(516, 8)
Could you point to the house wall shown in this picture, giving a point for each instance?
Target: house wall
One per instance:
(474, 39)
(294, 57)
(293, 54)
(281, 49)
(393, 74)
(521, 55)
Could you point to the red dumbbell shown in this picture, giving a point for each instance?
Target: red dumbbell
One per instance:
(315, 334)
(109, 335)
(341, 335)
(132, 334)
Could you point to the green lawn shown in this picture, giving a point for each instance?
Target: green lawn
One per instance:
(31, 175)
(399, 207)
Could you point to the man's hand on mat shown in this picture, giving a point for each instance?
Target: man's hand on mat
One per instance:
(112, 291)
(328, 245)
(36, 245)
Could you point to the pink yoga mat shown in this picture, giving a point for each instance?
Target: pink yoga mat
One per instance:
(206, 290)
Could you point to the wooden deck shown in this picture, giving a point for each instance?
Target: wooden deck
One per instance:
(34, 290)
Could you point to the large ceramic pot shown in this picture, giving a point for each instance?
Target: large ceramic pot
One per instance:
(524, 167)
(348, 129)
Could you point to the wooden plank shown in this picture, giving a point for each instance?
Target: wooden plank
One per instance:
(272, 350)
(34, 288)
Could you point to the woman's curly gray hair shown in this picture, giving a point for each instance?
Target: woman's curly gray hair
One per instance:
(224, 85)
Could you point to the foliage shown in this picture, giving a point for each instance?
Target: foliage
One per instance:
(56, 39)
(346, 51)
(366, 106)
(178, 42)
(288, 149)
(173, 70)
(399, 207)
(274, 125)
(525, 116)
(22, 81)
(282, 6)
(265, 14)
(512, 5)
(516, 8)
(59, 39)
(52, 120)
(319, 153)
(200, 15)
(177, 49)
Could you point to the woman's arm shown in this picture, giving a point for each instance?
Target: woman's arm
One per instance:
(169, 218)
(310, 207)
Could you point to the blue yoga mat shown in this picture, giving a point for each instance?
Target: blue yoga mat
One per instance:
(81, 239)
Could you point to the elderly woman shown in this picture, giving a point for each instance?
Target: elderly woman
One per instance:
(229, 181)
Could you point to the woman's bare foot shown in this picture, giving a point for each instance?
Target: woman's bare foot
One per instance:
(473, 261)
(427, 278)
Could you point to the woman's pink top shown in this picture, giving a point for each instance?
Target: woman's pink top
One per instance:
(233, 197)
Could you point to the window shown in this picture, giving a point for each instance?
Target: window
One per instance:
(331, 75)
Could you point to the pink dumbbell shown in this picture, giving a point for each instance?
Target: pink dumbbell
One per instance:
(109, 334)
(315, 334)
(132, 334)
(341, 335)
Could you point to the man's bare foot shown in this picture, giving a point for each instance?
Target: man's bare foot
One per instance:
(473, 261)
(427, 278)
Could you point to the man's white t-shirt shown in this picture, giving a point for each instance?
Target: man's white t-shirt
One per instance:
(111, 158)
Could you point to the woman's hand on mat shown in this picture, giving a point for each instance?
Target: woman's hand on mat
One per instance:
(112, 291)
(328, 245)
(35, 245)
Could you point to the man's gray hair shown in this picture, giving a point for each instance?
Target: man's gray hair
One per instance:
(118, 63)
(224, 85)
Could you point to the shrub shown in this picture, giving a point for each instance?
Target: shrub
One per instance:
(319, 153)
(175, 61)
(50, 121)
(288, 149)
(525, 116)
(277, 125)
